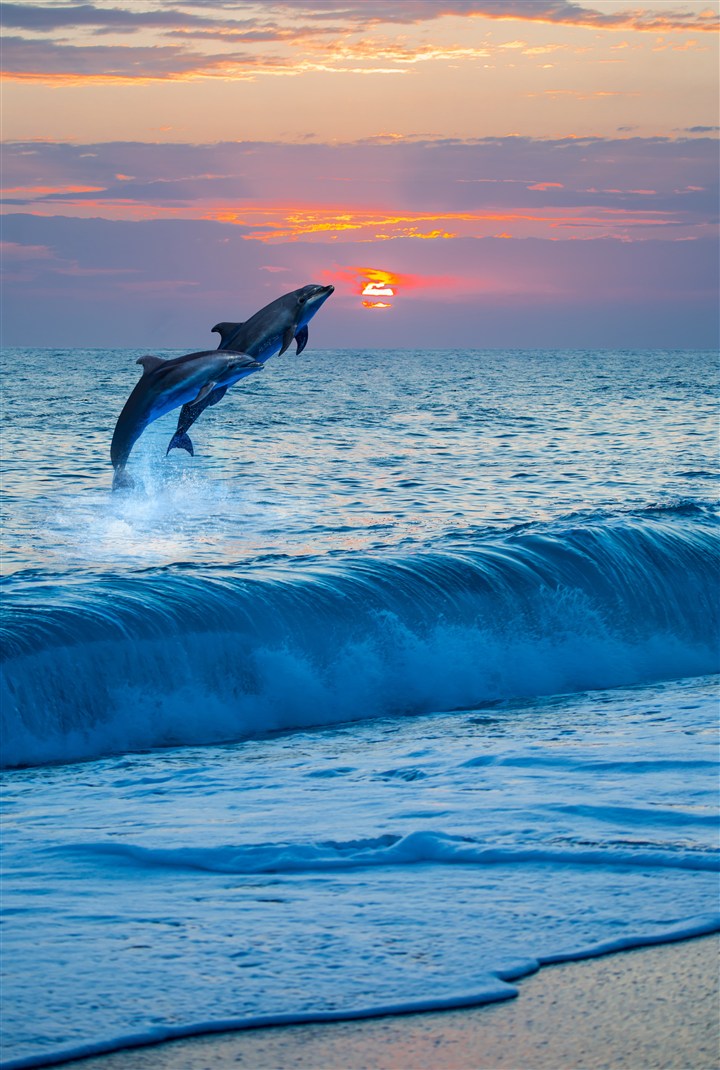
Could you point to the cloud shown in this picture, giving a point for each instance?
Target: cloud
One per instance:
(342, 13)
(14, 251)
(22, 263)
(57, 62)
(550, 11)
(48, 60)
(374, 192)
(45, 18)
(309, 36)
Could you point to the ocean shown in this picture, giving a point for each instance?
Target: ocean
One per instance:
(402, 687)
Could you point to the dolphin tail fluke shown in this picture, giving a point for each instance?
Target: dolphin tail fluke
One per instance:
(181, 441)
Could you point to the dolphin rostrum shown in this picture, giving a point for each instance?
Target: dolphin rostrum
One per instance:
(271, 330)
(164, 385)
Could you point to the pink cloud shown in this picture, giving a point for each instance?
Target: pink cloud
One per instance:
(10, 250)
(377, 192)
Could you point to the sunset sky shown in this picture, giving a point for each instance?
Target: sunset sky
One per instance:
(491, 172)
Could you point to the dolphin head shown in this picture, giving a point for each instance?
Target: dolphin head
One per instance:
(310, 298)
(237, 366)
(242, 362)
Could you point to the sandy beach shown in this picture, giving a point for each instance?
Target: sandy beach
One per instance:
(649, 1009)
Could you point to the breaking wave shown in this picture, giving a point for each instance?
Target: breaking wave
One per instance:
(187, 656)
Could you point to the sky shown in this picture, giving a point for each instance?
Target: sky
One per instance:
(482, 173)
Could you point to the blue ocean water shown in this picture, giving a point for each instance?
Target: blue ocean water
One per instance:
(401, 687)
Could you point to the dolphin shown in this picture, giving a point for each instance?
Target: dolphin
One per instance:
(269, 331)
(164, 385)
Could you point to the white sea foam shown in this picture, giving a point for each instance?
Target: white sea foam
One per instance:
(407, 862)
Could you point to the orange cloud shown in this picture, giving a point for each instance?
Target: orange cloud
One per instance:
(359, 38)
(280, 223)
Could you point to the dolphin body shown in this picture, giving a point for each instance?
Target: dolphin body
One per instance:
(164, 385)
(269, 331)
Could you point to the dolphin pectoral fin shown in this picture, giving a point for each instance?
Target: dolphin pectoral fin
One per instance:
(302, 340)
(149, 364)
(287, 339)
(181, 441)
(203, 392)
(217, 395)
(225, 330)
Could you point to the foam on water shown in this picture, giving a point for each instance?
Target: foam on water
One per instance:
(384, 866)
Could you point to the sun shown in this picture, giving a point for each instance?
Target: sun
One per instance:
(377, 284)
(377, 289)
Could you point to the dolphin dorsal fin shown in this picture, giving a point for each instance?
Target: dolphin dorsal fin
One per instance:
(149, 363)
(225, 330)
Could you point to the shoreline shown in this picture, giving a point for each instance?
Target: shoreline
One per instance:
(647, 1008)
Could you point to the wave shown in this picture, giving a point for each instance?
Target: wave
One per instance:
(103, 664)
(414, 848)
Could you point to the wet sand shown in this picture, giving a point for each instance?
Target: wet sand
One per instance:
(654, 1008)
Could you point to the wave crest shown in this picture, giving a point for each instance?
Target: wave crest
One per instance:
(182, 657)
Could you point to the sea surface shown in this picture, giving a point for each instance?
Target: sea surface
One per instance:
(403, 686)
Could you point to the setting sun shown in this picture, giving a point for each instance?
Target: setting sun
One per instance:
(376, 289)
(377, 284)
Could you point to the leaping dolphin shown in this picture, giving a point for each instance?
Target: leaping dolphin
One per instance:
(271, 330)
(164, 385)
